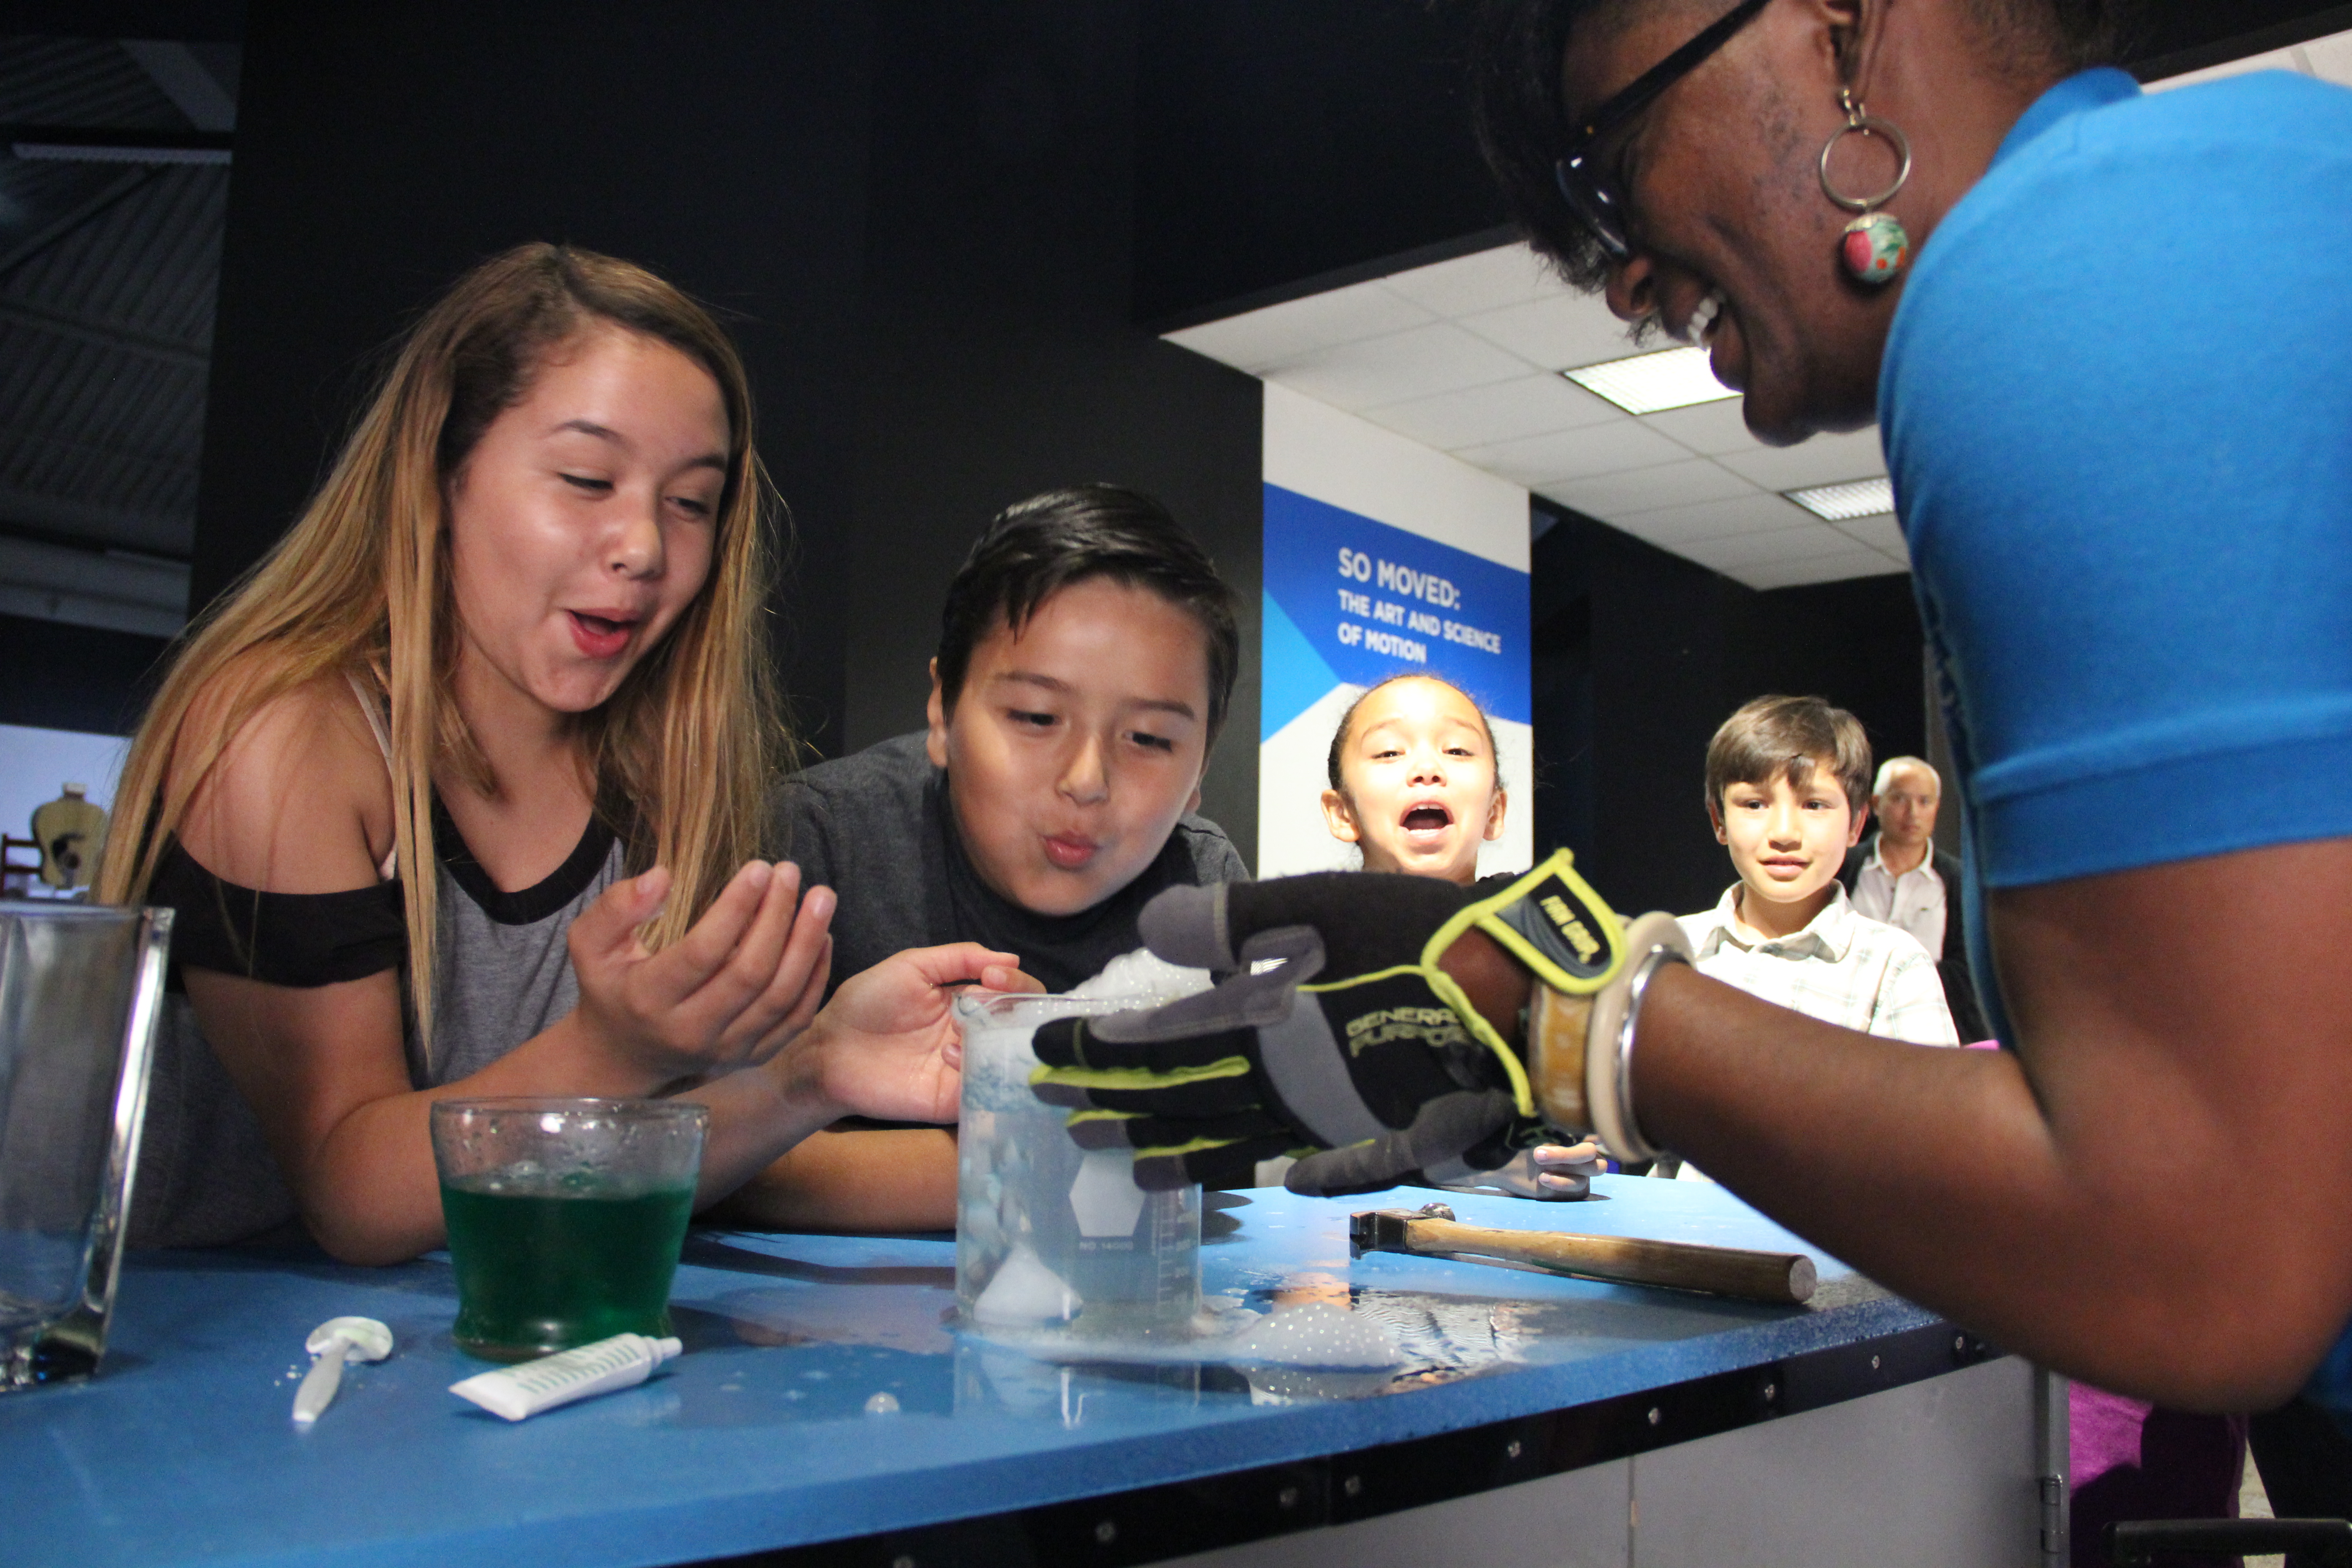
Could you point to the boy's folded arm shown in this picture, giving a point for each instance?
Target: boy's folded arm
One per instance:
(895, 1180)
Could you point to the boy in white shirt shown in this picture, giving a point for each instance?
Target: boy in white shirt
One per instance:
(1787, 788)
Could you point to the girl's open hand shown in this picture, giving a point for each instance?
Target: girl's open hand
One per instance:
(728, 994)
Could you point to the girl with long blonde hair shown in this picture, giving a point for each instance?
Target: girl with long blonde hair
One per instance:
(516, 642)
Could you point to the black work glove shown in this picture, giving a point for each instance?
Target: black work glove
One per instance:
(1352, 1051)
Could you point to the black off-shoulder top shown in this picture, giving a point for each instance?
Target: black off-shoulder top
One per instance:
(318, 939)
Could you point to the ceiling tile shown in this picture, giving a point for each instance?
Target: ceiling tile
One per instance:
(1565, 329)
(1298, 326)
(1801, 543)
(2330, 58)
(1509, 275)
(1708, 429)
(1605, 449)
(1817, 569)
(1753, 513)
(1608, 496)
(1500, 411)
(1417, 362)
(1823, 460)
(1447, 355)
(1882, 532)
(2274, 60)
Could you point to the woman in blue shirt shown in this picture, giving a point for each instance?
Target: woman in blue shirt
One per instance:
(2104, 335)
(2109, 376)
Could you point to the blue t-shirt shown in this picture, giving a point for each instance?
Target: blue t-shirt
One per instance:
(2116, 402)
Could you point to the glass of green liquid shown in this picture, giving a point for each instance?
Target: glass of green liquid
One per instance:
(566, 1217)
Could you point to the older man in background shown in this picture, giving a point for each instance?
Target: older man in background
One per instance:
(1898, 876)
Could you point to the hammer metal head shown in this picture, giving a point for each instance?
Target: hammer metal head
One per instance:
(1383, 1230)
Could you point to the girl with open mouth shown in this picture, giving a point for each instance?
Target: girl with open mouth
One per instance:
(1414, 782)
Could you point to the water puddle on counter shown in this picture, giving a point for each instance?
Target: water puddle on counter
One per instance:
(1314, 1330)
(1319, 1337)
(1313, 1336)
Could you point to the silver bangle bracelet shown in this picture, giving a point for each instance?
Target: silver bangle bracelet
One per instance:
(1635, 987)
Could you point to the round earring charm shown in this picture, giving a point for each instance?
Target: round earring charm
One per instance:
(1875, 248)
(1875, 245)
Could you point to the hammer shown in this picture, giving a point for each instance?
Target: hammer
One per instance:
(1784, 1279)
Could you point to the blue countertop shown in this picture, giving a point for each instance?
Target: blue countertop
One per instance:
(759, 1436)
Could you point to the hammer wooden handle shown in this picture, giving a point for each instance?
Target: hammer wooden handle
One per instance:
(1785, 1277)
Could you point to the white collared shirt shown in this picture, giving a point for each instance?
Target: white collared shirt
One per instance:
(1841, 968)
(1915, 901)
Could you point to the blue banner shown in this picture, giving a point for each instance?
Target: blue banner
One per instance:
(1349, 601)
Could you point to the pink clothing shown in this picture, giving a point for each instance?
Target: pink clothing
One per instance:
(2133, 1460)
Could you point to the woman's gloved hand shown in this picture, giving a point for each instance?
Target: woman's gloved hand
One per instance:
(1342, 1032)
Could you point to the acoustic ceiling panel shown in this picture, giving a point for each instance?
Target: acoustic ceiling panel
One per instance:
(1465, 356)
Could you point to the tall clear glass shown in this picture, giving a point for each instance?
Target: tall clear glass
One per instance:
(81, 989)
(1052, 1238)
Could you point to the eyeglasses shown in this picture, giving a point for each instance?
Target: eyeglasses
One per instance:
(1588, 196)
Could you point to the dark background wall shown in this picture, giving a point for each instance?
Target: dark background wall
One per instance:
(917, 217)
(382, 149)
(1291, 147)
(1000, 354)
(54, 675)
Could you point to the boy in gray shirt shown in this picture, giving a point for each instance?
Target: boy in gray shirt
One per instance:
(1086, 661)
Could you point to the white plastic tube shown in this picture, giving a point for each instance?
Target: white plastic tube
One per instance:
(517, 1391)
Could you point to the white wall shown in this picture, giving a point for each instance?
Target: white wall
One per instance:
(1316, 450)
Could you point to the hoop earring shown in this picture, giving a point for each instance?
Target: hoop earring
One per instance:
(1875, 246)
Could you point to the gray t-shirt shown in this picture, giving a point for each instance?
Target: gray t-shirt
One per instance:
(877, 827)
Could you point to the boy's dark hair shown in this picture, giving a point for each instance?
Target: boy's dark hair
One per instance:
(1778, 737)
(1517, 47)
(1036, 548)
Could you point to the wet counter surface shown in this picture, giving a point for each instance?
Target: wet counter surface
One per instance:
(771, 1430)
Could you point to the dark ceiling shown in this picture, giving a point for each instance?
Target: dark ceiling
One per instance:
(2168, 36)
(108, 273)
(189, 21)
(1284, 149)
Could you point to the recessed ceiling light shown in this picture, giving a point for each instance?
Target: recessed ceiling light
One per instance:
(1649, 383)
(1841, 503)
